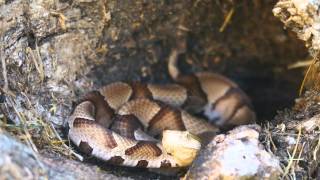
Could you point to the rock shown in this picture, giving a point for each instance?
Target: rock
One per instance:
(18, 161)
(302, 17)
(235, 155)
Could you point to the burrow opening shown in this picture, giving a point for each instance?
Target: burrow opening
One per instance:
(253, 49)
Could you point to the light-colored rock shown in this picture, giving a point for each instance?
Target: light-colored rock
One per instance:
(235, 155)
(302, 17)
(311, 124)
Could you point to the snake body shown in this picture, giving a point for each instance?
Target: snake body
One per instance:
(119, 122)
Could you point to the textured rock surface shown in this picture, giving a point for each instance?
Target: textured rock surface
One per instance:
(302, 16)
(18, 161)
(236, 155)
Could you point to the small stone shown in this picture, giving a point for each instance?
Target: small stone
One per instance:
(235, 155)
(276, 10)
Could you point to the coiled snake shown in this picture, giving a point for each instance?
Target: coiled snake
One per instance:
(119, 122)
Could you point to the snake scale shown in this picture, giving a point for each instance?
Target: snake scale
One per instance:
(119, 122)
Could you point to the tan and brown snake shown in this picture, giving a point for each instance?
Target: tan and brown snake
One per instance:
(118, 123)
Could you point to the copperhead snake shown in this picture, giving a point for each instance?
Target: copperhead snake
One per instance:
(119, 122)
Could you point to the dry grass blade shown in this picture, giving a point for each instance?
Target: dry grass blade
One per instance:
(226, 20)
(316, 149)
(78, 156)
(37, 61)
(25, 130)
(300, 64)
(51, 134)
(23, 123)
(300, 153)
(305, 77)
(41, 68)
(291, 158)
(270, 138)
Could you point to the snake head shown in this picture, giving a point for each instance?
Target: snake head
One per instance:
(183, 146)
